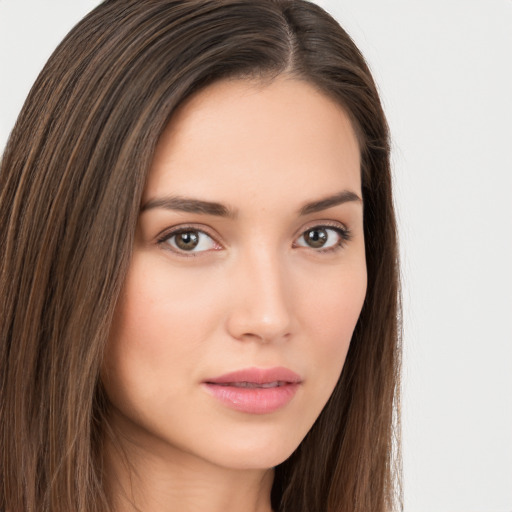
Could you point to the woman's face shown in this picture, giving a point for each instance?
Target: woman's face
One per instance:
(249, 258)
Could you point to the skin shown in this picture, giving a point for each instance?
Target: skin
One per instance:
(253, 293)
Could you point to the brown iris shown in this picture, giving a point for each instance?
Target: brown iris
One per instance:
(316, 237)
(187, 240)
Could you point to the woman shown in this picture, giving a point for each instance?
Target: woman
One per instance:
(199, 276)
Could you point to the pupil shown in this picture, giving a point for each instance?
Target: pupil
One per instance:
(316, 237)
(187, 240)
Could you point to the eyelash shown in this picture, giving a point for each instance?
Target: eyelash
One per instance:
(166, 236)
(343, 233)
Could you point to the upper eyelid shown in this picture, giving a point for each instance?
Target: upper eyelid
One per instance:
(172, 231)
(322, 224)
(343, 232)
(168, 232)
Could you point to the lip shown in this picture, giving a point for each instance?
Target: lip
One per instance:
(255, 390)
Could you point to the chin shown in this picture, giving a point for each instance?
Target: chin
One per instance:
(253, 448)
(260, 459)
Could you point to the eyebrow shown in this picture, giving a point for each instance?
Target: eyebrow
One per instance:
(185, 204)
(329, 202)
(190, 205)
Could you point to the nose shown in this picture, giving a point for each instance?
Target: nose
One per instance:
(261, 302)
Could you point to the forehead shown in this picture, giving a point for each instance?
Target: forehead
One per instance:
(239, 138)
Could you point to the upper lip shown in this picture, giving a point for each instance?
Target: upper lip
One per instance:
(257, 376)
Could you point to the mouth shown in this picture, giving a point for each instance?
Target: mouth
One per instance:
(252, 385)
(255, 390)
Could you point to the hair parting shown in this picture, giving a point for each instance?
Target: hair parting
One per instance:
(71, 181)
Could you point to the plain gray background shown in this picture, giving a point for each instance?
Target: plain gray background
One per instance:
(444, 69)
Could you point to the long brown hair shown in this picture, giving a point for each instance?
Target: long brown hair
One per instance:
(71, 181)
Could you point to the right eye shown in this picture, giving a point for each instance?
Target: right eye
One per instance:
(189, 240)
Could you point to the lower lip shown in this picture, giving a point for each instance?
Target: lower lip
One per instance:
(253, 400)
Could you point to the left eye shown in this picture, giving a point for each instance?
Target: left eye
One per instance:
(190, 240)
(323, 237)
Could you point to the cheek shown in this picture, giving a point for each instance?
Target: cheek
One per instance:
(332, 307)
(157, 340)
(144, 341)
(167, 331)
(159, 313)
(334, 301)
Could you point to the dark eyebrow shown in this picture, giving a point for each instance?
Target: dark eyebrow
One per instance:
(329, 202)
(184, 204)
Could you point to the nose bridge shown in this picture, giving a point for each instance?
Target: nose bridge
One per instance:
(261, 307)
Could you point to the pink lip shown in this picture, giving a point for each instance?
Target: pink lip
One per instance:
(255, 390)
